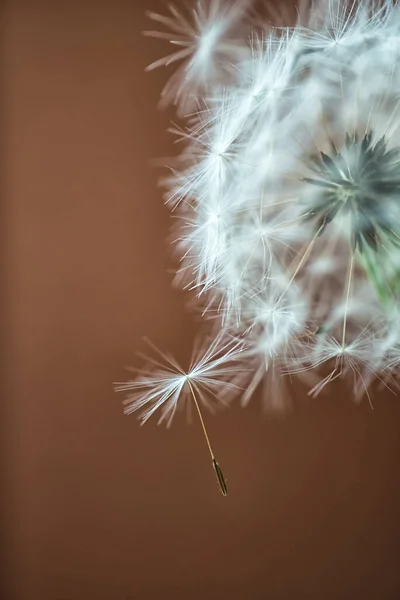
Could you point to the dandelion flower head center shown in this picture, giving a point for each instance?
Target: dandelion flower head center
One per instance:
(346, 194)
(362, 177)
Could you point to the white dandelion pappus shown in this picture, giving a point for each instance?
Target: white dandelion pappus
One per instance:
(209, 161)
(165, 385)
(201, 36)
(265, 74)
(203, 243)
(340, 25)
(355, 358)
(271, 328)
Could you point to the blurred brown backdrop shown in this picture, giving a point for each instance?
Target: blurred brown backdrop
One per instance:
(94, 506)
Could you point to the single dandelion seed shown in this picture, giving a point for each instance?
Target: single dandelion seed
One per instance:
(164, 386)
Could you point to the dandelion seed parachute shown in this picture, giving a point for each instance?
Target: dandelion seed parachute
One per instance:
(164, 387)
(202, 38)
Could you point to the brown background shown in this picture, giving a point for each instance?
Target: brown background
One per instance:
(96, 507)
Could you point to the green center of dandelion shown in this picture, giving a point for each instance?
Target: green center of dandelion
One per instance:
(345, 195)
(363, 179)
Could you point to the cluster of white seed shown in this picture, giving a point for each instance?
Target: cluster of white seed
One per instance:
(287, 194)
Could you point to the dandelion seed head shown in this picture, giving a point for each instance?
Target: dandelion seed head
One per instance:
(285, 194)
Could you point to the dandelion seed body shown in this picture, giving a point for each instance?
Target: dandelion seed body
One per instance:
(220, 478)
